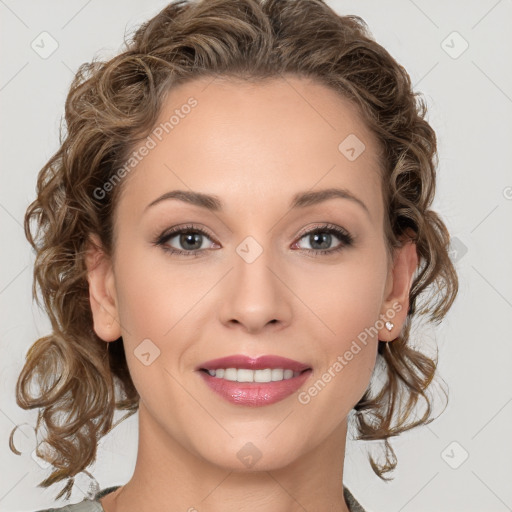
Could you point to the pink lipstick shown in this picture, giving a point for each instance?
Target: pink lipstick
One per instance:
(254, 382)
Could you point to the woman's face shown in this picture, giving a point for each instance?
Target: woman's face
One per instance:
(256, 283)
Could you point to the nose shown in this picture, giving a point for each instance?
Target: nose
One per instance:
(254, 296)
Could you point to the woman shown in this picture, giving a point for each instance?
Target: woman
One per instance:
(233, 240)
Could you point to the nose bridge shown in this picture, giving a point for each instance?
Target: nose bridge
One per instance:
(254, 295)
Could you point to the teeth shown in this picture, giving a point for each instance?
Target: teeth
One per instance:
(246, 375)
(288, 374)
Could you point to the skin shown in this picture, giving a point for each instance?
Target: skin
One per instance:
(254, 146)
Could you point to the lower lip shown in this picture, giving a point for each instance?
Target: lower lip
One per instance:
(255, 394)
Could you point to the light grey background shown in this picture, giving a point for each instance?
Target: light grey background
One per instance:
(470, 101)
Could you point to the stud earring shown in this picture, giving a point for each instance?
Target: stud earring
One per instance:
(389, 326)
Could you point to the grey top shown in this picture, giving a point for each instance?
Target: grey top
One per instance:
(87, 505)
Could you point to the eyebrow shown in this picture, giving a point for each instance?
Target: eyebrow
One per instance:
(299, 200)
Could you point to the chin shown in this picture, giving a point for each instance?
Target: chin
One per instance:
(245, 456)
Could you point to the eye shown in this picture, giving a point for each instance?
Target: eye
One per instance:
(321, 237)
(190, 238)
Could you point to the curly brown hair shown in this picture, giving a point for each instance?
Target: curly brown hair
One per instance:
(113, 105)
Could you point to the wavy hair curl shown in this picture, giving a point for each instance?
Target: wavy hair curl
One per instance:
(112, 105)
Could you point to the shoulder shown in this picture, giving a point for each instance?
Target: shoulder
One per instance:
(86, 505)
(83, 506)
(352, 504)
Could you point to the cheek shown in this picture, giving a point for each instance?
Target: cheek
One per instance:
(158, 301)
(348, 306)
(155, 303)
(154, 293)
(346, 296)
(145, 304)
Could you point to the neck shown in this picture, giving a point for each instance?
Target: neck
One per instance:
(168, 476)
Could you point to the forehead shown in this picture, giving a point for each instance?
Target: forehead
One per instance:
(251, 142)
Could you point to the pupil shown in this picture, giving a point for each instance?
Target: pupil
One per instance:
(325, 236)
(185, 239)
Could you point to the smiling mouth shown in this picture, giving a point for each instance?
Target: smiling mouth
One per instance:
(254, 387)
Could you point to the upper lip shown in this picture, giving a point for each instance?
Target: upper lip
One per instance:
(253, 363)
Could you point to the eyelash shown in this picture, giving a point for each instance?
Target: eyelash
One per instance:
(345, 238)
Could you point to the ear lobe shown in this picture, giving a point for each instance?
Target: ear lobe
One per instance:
(102, 296)
(396, 305)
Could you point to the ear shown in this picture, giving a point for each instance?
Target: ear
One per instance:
(398, 285)
(102, 294)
